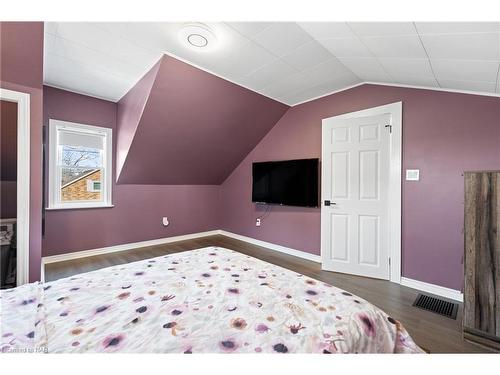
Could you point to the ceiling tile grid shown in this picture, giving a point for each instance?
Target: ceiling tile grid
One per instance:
(287, 61)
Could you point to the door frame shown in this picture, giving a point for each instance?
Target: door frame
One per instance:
(23, 181)
(395, 178)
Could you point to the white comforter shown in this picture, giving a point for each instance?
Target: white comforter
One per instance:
(210, 300)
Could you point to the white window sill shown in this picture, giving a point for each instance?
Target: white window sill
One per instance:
(78, 207)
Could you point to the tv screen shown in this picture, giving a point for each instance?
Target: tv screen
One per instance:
(288, 182)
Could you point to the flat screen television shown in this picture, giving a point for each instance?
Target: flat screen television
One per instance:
(287, 182)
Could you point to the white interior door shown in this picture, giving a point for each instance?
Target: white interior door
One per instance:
(355, 227)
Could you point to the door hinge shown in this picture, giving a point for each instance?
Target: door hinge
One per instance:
(389, 261)
(389, 126)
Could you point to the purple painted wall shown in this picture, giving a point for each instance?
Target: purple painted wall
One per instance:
(195, 127)
(21, 69)
(8, 199)
(8, 159)
(8, 141)
(138, 208)
(129, 113)
(443, 135)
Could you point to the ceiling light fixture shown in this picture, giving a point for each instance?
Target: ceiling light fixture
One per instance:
(197, 36)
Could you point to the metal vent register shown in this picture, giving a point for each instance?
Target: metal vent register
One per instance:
(436, 305)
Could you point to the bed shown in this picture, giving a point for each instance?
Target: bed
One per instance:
(209, 300)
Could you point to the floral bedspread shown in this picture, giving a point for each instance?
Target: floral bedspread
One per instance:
(210, 300)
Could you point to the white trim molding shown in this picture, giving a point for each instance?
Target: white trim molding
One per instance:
(105, 135)
(415, 284)
(272, 246)
(23, 181)
(442, 291)
(123, 247)
(160, 241)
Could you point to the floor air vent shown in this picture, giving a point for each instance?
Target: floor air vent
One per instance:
(436, 305)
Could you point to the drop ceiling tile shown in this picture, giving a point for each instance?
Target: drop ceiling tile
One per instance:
(249, 29)
(241, 61)
(307, 56)
(78, 53)
(92, 36)
(339, 83)
(457, 27)
(468, 85)
(106, 59)
(164, 37)
(286, 86)
(50, 27)
(268, 74)
(415, 80)
(406, 47)
(346, 47)
(408, 67)
(383, 28)
(376, 76)
(480, 46)
(327, 30)
(152, 36)
(282, 38)
(465, 70)
(327, 71)
(367, 68)
(66, 74)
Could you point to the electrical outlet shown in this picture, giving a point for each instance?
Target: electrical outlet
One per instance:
(257, 223)
(165, 221)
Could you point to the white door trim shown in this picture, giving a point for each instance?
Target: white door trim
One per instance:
(23, 180)
(395, 155)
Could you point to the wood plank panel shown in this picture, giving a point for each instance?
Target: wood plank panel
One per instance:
(482, 254)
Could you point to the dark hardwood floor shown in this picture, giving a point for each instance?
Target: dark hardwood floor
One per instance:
(432, 332)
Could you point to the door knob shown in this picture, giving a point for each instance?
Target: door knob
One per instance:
(328, 203)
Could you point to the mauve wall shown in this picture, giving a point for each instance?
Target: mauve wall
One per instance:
(138, 208)
(8, 199)
(8, 159)
(194, 125)
(443, 135)
(21, 69)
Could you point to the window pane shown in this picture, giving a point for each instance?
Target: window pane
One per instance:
(78, 184)
(72, 156)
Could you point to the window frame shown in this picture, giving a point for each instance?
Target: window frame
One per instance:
(54, 194)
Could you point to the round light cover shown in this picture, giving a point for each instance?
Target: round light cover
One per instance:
(197, 36)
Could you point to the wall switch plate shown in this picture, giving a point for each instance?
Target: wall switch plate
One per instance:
(257, 223)
(412, 174)
(165, 221)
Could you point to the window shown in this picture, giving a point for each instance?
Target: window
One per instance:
(79, 165)
(93, 186)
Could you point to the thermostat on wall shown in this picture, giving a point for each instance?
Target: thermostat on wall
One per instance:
(412, 174)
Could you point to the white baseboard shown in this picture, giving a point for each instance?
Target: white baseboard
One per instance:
(160, 241)
(433, 289)
(123, 247)
(272, 246)
(415, 284)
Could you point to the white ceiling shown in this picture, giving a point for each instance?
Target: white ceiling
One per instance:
(290, 62)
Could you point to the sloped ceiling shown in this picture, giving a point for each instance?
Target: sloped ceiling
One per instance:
(194, 128)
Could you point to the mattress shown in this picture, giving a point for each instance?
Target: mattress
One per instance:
(209, 300)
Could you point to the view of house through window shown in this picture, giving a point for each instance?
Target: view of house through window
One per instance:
(80, 173)
(79, 164)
